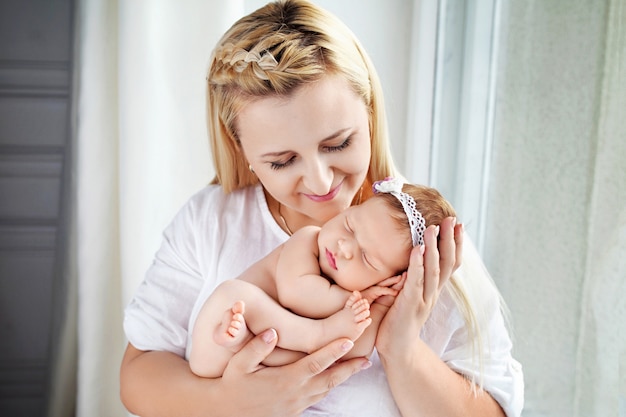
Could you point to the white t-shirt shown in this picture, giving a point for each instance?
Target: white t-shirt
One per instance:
(216, 236)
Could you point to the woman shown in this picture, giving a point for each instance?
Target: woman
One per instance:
(298, 133)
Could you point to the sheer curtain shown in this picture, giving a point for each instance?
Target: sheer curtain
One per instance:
(140, 151)
(556, 231)
(528, 141)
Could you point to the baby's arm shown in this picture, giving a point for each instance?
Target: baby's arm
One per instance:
(299, 284)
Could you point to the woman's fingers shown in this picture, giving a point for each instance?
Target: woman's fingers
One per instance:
(414, 278)
(447, 249)
(322, 367)
(432, 271)
(315, 374)
(458, 240)
(249, 358)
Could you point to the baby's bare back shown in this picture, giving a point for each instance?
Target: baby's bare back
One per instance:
(262, 273)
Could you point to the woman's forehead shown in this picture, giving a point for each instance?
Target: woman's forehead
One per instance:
(314, 112)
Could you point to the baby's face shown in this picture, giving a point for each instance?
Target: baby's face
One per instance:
(363, 245)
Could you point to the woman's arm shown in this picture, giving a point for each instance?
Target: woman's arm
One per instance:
(421, 383)
(161, 384)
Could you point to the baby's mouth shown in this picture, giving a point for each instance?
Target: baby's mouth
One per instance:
(331, 259)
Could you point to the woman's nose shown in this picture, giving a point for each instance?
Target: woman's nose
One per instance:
(318, 177)
(346, 248)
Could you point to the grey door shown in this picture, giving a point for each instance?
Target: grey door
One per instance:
(35, 102)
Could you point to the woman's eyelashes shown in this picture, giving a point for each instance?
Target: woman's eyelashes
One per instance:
(343, 145)
(276, 165)
(281, 165)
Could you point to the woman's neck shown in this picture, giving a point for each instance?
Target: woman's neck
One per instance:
(287, 219)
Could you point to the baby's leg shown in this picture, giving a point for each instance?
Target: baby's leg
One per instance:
(220, 328)
(296, 333)
(280, 357)
(351, 321)
(364, 345)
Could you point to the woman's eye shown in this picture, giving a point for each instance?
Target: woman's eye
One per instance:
(343, 145)
(281, 165)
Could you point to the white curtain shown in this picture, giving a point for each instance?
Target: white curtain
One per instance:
(556, 234)
(140, 151)
(546, 199)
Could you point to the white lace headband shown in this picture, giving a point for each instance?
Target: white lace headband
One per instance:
(417, 223)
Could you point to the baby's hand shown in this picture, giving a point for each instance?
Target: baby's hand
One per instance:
(372, 293)
(397, 283)
(392, 281)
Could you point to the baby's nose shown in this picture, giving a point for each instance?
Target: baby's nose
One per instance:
(345, 248)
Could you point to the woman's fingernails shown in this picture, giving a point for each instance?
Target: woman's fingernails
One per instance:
(347, 345)
(269, 336)
(366, 365)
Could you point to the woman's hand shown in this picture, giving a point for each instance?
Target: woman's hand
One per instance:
(407, 360)
(430, 267)
(162, 384)
(287, 390)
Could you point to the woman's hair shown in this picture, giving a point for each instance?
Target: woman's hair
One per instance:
(272, 52)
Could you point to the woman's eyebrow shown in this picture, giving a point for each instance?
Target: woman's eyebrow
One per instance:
(275, 154)
(336, 134)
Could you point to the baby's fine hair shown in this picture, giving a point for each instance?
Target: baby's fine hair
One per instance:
(428, 201)
(272, 52)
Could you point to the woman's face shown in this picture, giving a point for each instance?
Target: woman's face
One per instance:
(363, 245)
(311, 150)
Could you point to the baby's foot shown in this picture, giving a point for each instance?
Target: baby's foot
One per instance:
(232, 331)
(359, 306)
(350, 321)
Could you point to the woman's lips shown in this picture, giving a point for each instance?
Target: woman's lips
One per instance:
(326, 197)
(331, 259)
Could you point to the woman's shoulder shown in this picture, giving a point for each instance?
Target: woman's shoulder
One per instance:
(213, 194)
(211, 207)
(212, 201)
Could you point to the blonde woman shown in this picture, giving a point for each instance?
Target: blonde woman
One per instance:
(298, 132)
